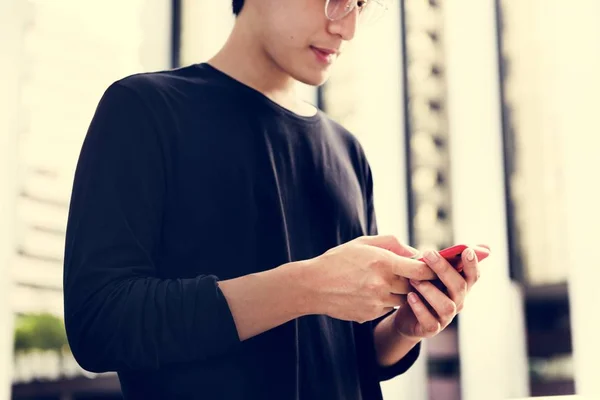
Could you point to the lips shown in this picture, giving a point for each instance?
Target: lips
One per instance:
(325, 56)
(324, 51)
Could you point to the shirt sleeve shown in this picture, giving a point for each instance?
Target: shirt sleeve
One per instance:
(384, 373)
(403, 365)
(119, 314)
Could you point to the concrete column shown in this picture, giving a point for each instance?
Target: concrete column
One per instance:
(491, 329)
(577, 85)
(206, 24)
(156, 19)
(384, 140)
(10, 71)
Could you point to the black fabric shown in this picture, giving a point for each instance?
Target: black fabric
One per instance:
(188, 177)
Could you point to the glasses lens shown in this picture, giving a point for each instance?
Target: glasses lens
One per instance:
(373, 11)
(338, 9)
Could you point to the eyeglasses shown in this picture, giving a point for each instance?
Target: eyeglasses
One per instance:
(369, 10)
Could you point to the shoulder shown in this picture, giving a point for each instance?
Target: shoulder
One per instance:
(138, 105)
(166, 98)
(150, 85)
(185, 84)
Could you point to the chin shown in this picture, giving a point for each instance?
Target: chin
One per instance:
(312, 77)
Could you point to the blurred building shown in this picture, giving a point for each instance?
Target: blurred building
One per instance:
(68, 57)
(456, 106)
(535, 189)
(68, 53)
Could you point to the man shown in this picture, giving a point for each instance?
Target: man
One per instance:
(222, 241)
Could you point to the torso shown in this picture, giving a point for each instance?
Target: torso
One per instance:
(251, 187)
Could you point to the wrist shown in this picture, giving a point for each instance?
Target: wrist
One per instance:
(395, 329)
(391, 344)
(298, 287)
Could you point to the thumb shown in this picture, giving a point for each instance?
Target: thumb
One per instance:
(390, 243)
(405, 322)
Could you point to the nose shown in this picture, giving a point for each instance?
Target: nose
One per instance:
(345, 27)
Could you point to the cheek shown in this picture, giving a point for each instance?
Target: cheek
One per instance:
(292, 27)
(282, 40)
(288, 34)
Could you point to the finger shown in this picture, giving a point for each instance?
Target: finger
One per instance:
(412, 269)
(395, 300)
(471, 267)
(482, 251)
(390, 243)
(443, 306)
(452, 279)
(400, 285)
(485, 246)
(428, 324)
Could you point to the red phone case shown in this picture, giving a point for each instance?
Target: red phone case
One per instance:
(453, 254)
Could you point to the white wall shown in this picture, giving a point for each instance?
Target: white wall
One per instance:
(491, 330)
(155, 23)
(537, 183)
(577, 85)
(206, 24)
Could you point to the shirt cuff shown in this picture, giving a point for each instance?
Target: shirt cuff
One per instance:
(387, 373)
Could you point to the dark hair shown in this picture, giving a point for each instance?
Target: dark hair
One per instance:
(237, 6)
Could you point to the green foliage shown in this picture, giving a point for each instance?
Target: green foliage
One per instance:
(39, 331)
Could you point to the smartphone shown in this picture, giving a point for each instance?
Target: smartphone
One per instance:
(453, 254)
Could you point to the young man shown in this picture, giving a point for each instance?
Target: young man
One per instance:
(222, 242)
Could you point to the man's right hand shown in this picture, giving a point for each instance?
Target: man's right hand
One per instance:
(365, 278)
(357, 281)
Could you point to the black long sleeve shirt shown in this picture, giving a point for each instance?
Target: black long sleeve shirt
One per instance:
(188, 177)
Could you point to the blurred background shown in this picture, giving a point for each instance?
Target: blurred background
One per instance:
(479, 119)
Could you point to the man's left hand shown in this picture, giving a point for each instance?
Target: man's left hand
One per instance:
(419, 319)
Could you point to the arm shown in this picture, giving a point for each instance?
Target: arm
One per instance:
(118, 314)
(279, 294)
(390, 346)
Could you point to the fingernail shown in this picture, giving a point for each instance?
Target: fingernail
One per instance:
(431, 255)
(415, 283)
(412, 297)
(470, 254)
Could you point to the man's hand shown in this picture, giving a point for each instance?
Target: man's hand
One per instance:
(365, 278)
(357, 281)
(396, 335)
(426, 319)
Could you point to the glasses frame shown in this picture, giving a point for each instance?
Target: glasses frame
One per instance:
(354, 3)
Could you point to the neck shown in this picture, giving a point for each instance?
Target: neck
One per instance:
(243, 58)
